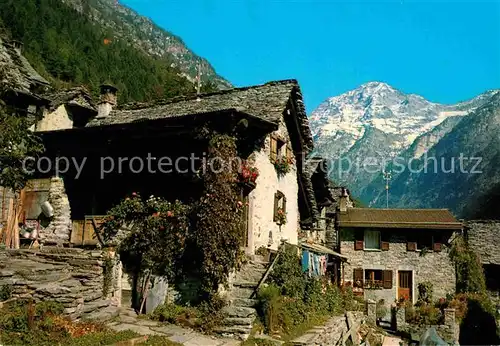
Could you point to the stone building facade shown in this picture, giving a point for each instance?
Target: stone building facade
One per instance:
(263, 230)
(391, 251)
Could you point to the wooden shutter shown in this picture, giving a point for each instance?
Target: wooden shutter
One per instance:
(284, 202)
(289, 152)
(357, 276)
(411, 246)
(359, 241)
(276, 201)
(384, 240)
(437, 247)
(274, 148)
(387, 278)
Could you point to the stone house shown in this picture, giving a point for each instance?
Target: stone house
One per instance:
(391, 251)
(272, 126)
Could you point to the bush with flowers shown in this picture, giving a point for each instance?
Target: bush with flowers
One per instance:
(156, 233)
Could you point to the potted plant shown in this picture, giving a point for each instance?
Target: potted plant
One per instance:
(248, 175)
(280, 216)
(282, 165)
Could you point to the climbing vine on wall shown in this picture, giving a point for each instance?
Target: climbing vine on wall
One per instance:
(217, 235)
(470, 275)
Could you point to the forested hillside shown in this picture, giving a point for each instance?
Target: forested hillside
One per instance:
(67, 48)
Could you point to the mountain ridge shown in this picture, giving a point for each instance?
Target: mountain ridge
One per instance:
(148, 36)
(377, 121)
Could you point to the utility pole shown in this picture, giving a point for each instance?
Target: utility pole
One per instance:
(387, 178)
(198, 79)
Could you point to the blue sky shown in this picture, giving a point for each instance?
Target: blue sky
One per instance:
(445, 51)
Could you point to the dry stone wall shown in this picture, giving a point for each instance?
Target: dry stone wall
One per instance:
(73, 277)
(330, 333)
(482, 236)
(59, 229)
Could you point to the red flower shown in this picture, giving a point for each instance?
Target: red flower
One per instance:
(170, 214)
(162, 228)
(134, 194)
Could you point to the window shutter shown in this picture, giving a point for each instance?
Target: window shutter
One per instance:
(384, 246)
(437, 247)
(276, 206)
(358, 277)
(411, 246)
(289, 152)
(274, 148)
(284, 203)
(387, 278)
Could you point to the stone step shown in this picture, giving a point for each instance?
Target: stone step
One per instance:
(239, 311)
(245, 302)
(239, 321)
(241, 292)
(245, 284)
(239, 332)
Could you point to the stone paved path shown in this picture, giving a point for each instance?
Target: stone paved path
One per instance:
(127, 320)
(392, 341)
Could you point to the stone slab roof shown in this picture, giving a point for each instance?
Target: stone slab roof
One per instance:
(19, 71)
(267, 102)
(78, 96)
(399, 218)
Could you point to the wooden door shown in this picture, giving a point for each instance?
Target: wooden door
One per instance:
(405, 286)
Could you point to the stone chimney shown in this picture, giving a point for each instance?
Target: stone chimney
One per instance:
(107, 100)
(343, 201)
(18, 46)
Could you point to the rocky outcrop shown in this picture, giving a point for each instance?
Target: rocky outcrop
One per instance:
(73, 277)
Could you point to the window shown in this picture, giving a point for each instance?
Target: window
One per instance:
(424, 241)
(372, 239)
(279, 208)
(373, 278)
(278, 148)
(377, 279)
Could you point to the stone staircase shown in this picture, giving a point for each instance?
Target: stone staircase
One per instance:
(241, 312)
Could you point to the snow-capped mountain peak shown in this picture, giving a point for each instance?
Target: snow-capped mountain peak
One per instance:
(378, 105)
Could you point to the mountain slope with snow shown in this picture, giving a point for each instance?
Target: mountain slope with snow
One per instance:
(376, 124)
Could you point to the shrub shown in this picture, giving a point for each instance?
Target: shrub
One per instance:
(381, 310)
(5, 292)
(172, 313)
(425, 291)
(287, 273)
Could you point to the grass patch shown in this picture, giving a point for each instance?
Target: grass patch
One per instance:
(24, 323)
(203, 317)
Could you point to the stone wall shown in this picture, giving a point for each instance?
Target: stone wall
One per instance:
(72, 277)
(434, 267)
(330, 333)
(58, 119)
(59, 229)
(482, 236)
(449, 331)
(263, 231)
